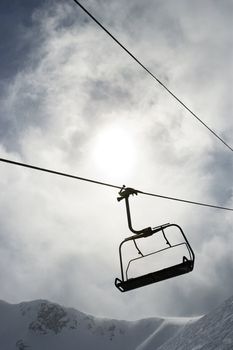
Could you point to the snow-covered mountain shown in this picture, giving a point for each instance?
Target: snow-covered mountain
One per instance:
(211, 332)
(44, 325)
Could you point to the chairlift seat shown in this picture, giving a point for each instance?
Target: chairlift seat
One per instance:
(153, 277)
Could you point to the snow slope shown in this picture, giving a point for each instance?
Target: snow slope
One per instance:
(211, 332)
(43, 325)
(167, 329)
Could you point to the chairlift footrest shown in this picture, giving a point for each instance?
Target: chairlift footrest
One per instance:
(154, 277)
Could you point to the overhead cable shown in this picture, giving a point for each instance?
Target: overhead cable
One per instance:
(153, 76)
(54, 172)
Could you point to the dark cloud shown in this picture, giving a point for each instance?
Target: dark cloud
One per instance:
(219, 167)
(15, 23)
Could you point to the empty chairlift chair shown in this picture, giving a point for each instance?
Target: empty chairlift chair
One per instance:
(184, 265)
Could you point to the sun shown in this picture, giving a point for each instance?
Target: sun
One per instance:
(114, 152)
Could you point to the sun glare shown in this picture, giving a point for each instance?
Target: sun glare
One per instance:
(114, 152)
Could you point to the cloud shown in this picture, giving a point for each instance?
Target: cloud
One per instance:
(59, 239)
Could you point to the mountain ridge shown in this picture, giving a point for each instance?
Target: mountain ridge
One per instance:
(41, 324)
(213, 331)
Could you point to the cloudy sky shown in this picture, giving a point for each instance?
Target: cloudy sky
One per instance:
(73, 101)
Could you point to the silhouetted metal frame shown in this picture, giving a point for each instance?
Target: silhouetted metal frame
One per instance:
(146, 232)
(124, 276)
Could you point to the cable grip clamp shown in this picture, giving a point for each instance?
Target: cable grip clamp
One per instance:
(125, 192)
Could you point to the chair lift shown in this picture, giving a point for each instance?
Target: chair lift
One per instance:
(125, 283)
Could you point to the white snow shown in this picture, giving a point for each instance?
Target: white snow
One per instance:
(211, 332)
(44, 325)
